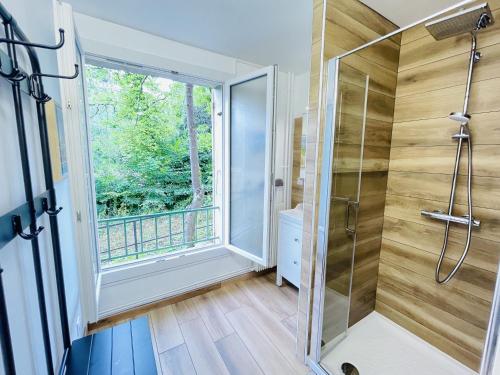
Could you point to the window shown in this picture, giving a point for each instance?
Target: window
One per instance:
(153, 161)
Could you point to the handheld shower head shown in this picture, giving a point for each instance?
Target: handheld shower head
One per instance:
(465, 21)
(460, 117)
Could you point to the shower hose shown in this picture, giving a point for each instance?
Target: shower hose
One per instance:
(464, 130)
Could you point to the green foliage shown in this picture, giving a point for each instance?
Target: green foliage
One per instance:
(140, 142)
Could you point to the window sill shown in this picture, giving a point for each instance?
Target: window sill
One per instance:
(148, 267)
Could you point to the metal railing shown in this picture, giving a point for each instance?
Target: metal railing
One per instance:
(135, 237)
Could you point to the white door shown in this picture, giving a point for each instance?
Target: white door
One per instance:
(249, 163)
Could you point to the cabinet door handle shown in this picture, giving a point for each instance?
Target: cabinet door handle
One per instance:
(295, 262)
(296, 240)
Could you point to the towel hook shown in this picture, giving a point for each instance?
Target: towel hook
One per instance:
(37, 45)
(45, 206)
(35, 84)
(36, 75)
(15, 75)
(18, 228)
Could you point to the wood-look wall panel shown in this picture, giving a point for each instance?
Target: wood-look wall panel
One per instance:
(377, 133)
(413, 34)
(484, 129)
(382, 79)
(439, 103)
(297, 184)
(421, 330)
(472, 280)
(484, 253)
(437, 187)
(440, 160)
(361, 14)
(379, 107)
(386, 54)
(467, 336)
(449, 72)
(374, 158)
(456, 302)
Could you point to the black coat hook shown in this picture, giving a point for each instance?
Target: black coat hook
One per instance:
(15, 75)
(36, 91)
(36, 75)
(45, 206)
(35, 86)
(18, 228)
(36, 45)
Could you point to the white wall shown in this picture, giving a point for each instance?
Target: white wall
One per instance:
(35, 18)
(107, 39)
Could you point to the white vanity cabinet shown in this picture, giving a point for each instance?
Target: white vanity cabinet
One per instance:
(289, 246)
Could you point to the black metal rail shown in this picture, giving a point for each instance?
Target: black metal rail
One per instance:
(34, 206)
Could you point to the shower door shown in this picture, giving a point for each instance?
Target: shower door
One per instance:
(347, 94)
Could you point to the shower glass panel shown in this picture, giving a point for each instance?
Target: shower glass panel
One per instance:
(340, 188)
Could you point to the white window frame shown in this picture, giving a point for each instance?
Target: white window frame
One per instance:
(271, 73)
(113, 63)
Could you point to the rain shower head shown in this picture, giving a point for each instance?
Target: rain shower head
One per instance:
(467, 20)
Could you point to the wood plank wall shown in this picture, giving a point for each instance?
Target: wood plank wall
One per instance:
(431, 84)
(339, 26)
(297, 187)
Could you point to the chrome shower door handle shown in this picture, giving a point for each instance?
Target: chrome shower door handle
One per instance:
(355, 205)
(350, 230)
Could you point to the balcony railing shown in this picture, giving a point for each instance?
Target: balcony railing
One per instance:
(135, 237)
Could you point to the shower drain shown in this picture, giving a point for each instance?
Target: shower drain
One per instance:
(349, 369)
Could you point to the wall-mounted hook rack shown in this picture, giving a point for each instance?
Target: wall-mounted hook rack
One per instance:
(18, 228)
(12, 222)
(37, 45)
(48, 211)
(7, 232)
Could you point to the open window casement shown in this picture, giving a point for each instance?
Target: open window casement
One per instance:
(250, 102)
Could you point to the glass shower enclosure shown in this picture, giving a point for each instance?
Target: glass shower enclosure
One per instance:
(347, 96)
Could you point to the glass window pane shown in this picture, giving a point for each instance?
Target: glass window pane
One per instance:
(247, 166)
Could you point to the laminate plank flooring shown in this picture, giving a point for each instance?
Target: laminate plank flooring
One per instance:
(242, 328)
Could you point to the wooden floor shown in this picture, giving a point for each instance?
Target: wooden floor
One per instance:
(247, 327)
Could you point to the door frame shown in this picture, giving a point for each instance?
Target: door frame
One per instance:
(332, 105)
(85, 244)
(272, 73)
(324, 208)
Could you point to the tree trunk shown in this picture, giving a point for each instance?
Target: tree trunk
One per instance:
(190, 224)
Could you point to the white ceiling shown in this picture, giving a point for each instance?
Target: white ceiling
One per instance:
(260, 31)
(405, 12)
